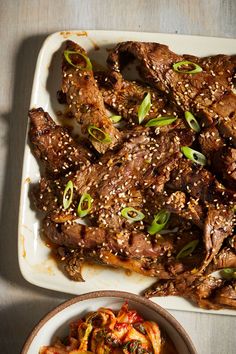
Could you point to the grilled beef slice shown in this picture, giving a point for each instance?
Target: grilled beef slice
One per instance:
(226, 295)
(223, 113)
(153, 254)
(208, 292)
(175, 202)
(192, 92)
(210, 141)
(116, 180)
(85, 100)
(218, 226)
(224, 162)
(226, 258)
(199, 183)
(77, 236)
(124, 97)
(53, 145)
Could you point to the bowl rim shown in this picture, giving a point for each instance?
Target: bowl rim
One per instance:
(117, 294)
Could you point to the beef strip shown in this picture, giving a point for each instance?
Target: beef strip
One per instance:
(73, 267)
(222, 158)
(124, 97)
(53, 145)
(85, 100)
(131, 245)
(116, 180)
(73, 261)
(156, 177)
(218, 226)
(199, 183)
(226, 258)
(232, 242)
(45, 196)
(226, 295)
(176, 203)
(208, 292)
(193, 92)
(223, 112)
(224, 163)
(210, 141)
(125, 177)
(134, 248)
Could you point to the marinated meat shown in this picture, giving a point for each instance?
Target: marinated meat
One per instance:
(180, 223)
(210, 141)
(232, 242)
(124, 97)
(218, 226)
(223, 112)
(226, 296)
(175, 202)
(225, 162)
(226, 258)
(45, 196)
(114, 180)
(199, 183)
(132, 245)
(53, 145)
(193, 92)
(85, 100)
(208, 292)
(127, 249)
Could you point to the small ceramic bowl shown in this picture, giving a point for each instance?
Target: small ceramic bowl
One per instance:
(56, 323)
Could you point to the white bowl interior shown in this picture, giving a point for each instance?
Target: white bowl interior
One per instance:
(58, 325)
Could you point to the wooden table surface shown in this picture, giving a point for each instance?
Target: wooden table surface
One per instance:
(23, 27)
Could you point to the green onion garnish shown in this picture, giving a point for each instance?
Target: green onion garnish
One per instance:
(132, 214)
(187, 249)
(229, 273)
(88, 66)
(144, 108)
(106, 137)
(159, 222)
(192, 122)
(177, 67)
(194, 155)
(115, 119)
(68, 195)
(160, 121)
(85, 199)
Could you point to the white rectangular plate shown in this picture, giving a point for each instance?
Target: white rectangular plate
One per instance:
(36, 264)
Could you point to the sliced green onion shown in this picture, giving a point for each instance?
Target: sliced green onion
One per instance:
(85, 198)
(144, 108)
(187, 249)
(92, 129)
(88, 66)
(138, 215)
(160, 121)
(133, 346)
(159, 222)
(194, 155)
(177, 67)
(115, 119)
(68, 195)
(229, 273)
(192, 122)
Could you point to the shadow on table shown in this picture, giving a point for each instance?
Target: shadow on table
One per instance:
(16, 122)
(19, 319)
